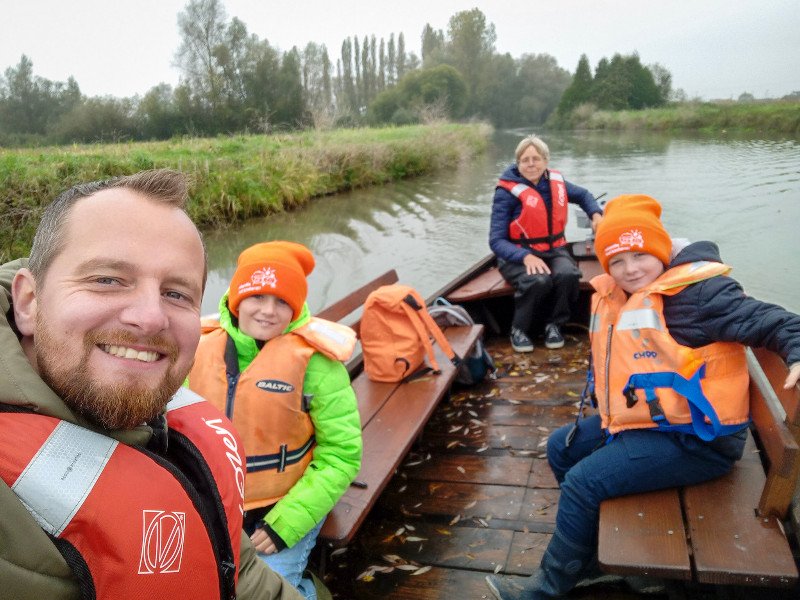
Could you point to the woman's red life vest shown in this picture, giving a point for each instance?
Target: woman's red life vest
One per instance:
(266, 401)
(132, 518)
(645, 379)
(537, 227)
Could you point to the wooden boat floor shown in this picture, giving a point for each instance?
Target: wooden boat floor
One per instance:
(476, 494)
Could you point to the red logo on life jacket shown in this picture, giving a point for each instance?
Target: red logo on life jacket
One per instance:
(163, 535)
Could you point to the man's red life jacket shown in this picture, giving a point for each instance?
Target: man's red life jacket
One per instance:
(125, 519)
(537, 227)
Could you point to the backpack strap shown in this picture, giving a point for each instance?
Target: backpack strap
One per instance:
(419, 317)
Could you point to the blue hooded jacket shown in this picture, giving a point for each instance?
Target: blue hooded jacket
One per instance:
(718, 310)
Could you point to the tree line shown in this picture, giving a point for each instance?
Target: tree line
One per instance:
(233, 82)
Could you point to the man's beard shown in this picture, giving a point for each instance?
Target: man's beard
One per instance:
(112, 406)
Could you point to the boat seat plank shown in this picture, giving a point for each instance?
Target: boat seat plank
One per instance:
(491, 284)
(397, 413)
(656, 546)
(731, 526)
(731, 543)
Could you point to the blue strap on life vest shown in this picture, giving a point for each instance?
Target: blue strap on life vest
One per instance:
(699, 406)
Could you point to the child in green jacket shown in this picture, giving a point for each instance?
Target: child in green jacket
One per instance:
(277, 373)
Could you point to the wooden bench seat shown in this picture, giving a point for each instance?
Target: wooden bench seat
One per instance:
(392, 417)
(728, 530)
(490, 284)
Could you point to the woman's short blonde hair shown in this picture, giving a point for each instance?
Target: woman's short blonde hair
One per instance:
(537, 143)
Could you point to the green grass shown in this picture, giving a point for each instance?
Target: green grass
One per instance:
(233, 178)
(757, 117)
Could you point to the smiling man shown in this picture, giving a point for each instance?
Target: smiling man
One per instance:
(112, 478)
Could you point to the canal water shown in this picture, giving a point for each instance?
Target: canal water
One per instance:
(742, 193)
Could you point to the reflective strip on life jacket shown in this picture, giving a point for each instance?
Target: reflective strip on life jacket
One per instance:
(73, 451)
(280, 460)
(643, 318)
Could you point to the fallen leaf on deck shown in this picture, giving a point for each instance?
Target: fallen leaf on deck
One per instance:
(414, 538)
(392, 558)
(461, 470)
(400, 532)
(482, 449)
(471, 504)
(410, 527)
(455, 520)
(444, 532)
(338, 551)
(422, 570)
(498, 568)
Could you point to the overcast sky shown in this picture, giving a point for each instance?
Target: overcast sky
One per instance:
(713, 48)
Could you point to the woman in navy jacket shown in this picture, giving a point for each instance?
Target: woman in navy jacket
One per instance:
(530, 245)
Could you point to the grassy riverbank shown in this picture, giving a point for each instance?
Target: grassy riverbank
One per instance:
(234, 178)
(757, 117)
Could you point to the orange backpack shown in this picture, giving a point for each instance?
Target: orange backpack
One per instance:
(395, 335)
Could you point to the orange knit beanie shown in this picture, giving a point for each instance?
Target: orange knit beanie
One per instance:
(632, 223)
(275, 269)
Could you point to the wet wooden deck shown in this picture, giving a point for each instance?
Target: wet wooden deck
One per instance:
(476, 495)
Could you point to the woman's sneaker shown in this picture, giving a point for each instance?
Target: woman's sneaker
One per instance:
(520, 342)
(552, 337)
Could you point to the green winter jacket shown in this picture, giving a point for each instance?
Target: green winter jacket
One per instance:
(337, 428)
(30, 566)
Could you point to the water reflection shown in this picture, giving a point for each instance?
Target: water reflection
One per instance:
(740, 192)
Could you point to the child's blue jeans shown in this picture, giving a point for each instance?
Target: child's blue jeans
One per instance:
(640, 460)
(291, 562)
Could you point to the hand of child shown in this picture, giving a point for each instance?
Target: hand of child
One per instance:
(262, 542)
(792, 377)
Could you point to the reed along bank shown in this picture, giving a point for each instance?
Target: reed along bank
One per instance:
(233, 178)
(773, 117)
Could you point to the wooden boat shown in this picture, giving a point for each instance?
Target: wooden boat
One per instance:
(475, 495)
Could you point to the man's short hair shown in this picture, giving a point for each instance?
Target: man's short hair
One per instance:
(159, 185)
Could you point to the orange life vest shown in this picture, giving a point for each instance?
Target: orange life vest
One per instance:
(266, 401)
(536, 227)
(125, 519)
(645, 379)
